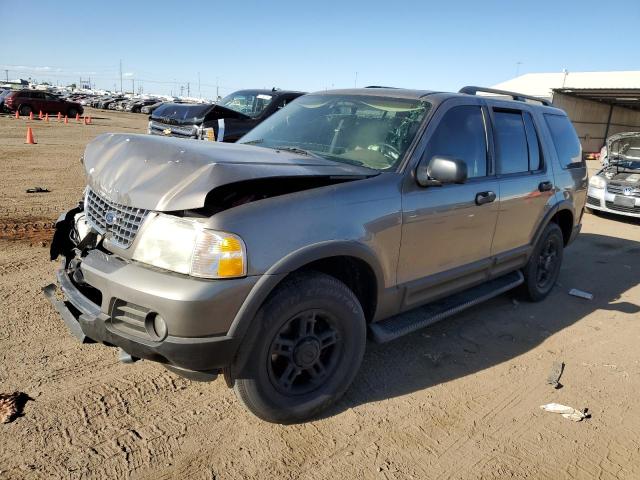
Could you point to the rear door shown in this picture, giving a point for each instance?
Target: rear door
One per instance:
(526, 179)
(51, 104)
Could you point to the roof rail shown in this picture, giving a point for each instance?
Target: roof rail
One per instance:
(516, 96)
(380, 86)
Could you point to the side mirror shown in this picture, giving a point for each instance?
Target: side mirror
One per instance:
(441, 170)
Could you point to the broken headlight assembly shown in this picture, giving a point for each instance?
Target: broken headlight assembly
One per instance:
(185, 246)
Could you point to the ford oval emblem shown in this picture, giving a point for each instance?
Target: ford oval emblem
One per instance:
(110, 217)
(627, 190)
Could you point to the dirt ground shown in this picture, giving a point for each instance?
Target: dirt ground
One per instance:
(458, 400)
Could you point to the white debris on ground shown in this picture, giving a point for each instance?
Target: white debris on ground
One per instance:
(581, 294)
(567, 412)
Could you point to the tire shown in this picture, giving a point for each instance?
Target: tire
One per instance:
(25, 109)
(72, 112)
(543, 267)
(303, 350)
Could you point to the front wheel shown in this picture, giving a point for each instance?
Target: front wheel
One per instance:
(543, 268)
(303, 351)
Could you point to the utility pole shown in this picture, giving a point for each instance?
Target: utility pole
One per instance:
(6, 72)
(188, 90)
(518, 63)
(133, 86)
(217, 90)
(120, 76)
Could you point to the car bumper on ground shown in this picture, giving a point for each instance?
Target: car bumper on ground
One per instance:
(132, 294)
(602, 200)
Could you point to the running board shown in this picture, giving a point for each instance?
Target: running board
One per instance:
(399, 325)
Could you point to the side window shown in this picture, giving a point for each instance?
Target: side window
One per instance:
(565, 140)
(512, 153)
(461, 134)
(533, 142)
(37, 95)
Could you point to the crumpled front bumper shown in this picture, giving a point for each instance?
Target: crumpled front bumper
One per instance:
(89, 323)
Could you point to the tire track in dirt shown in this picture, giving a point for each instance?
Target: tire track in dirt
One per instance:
(27, 229)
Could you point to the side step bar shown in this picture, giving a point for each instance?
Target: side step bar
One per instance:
(408, 322)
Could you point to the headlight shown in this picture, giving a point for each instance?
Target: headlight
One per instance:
(184, 246)
(597, 182)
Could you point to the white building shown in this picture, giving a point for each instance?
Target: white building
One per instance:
(598, 103)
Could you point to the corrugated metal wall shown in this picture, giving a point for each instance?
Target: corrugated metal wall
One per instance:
(590, 119)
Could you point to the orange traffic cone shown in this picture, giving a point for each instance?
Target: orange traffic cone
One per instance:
(59, 116)
(78, 117)
(46, 118)
(17, 114)
(89, 121)
(66, 120)
(40, 115)
(30, 140)
(85, 121)
(30, 115)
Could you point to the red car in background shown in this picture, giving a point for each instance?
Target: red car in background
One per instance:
(27, 101)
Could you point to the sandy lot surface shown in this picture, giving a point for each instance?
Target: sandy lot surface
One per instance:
(457, 400)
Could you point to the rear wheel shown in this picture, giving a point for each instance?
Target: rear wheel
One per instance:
(304, 350)
(543, 268)
(25, 109)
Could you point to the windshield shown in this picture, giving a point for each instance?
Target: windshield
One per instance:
(248, 102)
(182, 113)
(365, 130)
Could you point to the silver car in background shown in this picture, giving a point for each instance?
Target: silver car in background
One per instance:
(616, 187)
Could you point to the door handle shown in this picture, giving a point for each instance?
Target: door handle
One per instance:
(485, 197)
(545, 186)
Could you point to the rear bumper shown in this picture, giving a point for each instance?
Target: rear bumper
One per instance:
(88, 323)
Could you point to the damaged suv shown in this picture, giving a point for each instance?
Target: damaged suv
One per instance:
(268, 260)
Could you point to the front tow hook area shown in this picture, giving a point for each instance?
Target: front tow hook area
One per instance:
(71, 321)
(125, 357)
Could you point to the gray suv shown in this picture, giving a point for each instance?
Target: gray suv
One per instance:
(269, 260)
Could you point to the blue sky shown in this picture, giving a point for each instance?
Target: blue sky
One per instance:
(311, 45)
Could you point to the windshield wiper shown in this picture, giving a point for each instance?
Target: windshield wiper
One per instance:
(300, 151)
(253, 142)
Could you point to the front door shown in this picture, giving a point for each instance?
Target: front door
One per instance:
(447, 230)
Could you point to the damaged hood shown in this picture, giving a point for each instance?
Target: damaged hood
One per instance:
(190, 114)
(168, 174)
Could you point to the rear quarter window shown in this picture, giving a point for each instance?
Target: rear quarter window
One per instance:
(565, 141)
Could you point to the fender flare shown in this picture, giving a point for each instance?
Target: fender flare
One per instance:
(562, 205)
(291, 262)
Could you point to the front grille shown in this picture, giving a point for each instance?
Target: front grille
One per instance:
(618, 189)
(620, 208)
(125, 223)
(129, 318)
(593, 201)
(158, 128)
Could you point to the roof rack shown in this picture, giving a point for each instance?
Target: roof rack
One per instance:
(519, 97)
(380, 86)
